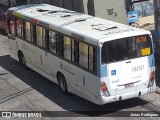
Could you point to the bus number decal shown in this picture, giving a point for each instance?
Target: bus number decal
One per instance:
(137, 68)
(141, 39)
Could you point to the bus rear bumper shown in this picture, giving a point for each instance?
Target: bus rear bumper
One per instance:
(120, 97)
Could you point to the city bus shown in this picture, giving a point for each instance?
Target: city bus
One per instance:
(99, 60)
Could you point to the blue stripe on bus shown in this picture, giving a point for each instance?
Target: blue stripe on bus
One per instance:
(151, 61)
(151, 57)
(103, 69)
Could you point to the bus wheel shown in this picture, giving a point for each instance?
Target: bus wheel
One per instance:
(63, 84)
(22, 60)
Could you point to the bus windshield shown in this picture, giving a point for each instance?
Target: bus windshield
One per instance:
(126, 48)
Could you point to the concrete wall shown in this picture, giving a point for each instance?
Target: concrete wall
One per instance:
(108, 9)
(157, 15)
(111, 9)
(85, 2)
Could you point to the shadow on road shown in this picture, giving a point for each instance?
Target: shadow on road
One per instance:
(69, 102)
(3, 33)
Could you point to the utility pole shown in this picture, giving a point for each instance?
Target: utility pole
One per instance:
(9, 3)
(72, 5)
(51, 2)
(28, 2)
(61, 3)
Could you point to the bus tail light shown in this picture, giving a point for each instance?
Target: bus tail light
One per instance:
(152, 79)
(104, 87)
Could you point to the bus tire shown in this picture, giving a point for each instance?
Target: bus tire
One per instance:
(62, 84)
(22, 59)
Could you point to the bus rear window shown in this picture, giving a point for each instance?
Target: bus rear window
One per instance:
(126, 48)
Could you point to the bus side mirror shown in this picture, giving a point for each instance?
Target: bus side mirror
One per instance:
(10, 36)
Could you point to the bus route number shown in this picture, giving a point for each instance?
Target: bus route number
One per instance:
(145, 51)
(141, 39)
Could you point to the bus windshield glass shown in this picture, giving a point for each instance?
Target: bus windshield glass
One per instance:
(126, 48)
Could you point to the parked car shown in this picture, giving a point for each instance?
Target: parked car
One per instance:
(3, 18)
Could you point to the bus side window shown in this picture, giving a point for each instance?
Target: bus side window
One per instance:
(19, 30)
(40, 36)
(28, 31)
(74, 51)
(11, 25)
(105, 54)
(59, 44)
(83, 54)
(56, 43)
(52, 41)
(33, 34)
(91, 58)
(94, 59)
(23, 29)
(67, 47)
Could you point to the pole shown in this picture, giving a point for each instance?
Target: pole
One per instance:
(61, 3)
(72, 5)
(9, 3)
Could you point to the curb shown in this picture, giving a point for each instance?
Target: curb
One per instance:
(158, 87)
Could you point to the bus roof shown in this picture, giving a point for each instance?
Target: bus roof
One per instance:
(88, 28)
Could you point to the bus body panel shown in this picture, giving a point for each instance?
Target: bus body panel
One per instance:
(125, 76)
(13, 47)
(87, 81)
(46, 64)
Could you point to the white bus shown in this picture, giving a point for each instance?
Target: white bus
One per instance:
(99, 60)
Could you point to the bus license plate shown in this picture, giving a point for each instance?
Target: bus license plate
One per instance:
(129, 85)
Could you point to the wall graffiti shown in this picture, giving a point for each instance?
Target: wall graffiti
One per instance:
(111, 12)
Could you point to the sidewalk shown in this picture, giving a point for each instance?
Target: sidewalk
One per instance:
(158, 87)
